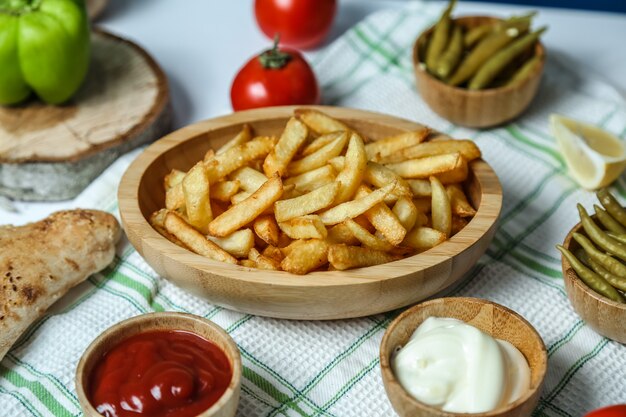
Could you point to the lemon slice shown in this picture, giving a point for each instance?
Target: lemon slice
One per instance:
(594, 157)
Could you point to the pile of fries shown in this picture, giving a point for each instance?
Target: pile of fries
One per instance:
(318, 197)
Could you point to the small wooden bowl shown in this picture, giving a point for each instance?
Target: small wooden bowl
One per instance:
(226, 406)
(317, 295)
(494, 319)
(480, 108)
(603, 315)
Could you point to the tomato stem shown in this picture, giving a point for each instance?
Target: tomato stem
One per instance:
(274, 58)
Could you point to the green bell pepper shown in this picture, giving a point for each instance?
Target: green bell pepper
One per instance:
(44, 47)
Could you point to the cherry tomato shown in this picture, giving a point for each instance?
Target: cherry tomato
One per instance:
(302, 24)
(277, 77)
(610, 411)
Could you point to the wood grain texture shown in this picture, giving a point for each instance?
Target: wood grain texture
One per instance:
(495, 320)
(605, 316)
(226, 406)
(481, 108)
(53, 152)
(318, 295)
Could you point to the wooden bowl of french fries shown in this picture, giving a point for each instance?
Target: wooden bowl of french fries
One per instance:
(482, 107)
(310, 213)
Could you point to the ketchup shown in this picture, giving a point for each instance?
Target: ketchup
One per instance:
(160, 374)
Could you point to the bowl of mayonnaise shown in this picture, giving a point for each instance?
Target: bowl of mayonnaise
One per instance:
(458, 356)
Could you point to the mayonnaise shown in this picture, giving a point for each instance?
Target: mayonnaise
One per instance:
(453, 366)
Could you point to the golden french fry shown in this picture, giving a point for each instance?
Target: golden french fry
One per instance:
(237, 243)
(319, 122)
(383, 220)
(426, 167)
(306, 256)
(194, 240)
(353, 170)
(307, 203)
(244, 212)
(197, 202)
(209, 155)
(366, 238)
(249, 179)
(266, 228)
(157, 220)
(379, 176)
(274, 253)
(343, 257)
(319, 142)
(223, 191)
(294, 135)
(406, 212)
(172, 179)
(388, 146)
(238, 156)
(340, 233)
(458, 223)
(440, 211)
(318, 158)
(247, 263)
(263, 262)
(239, 197)
(304, 227)
(466, 148)
(337, 162)
(351, 209)
(312, 180)
(242, 137)
(423, 238)
(458, 174)
(458, 201)
(420, 188)
(174, 197)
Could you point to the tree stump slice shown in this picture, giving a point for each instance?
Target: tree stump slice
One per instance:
(53, 152)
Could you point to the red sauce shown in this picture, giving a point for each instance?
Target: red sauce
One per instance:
(160, 374)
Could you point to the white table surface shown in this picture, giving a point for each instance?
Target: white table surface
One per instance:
(202, 43)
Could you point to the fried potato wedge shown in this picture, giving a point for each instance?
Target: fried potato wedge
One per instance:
(318, 143)
(423, 238)
(237, 243)
(223, 191)
(262, 261)
(194, 240)
(353, 170)
(458, 223)
(383, 220)
(351, 209)
(266, 228)
(174, 178)
(426, 167)
(306, 204)
(340, 233)
(274, 253)
(441, 211)
(157, 220)
(247, 210)
(312, 180)
(379, 176)
(319, 122)
(293, 136)
(247, 263)
(388, 146)
(366, 238)
(174, 197)
(306, 256)
(242, 137)
(337, 162)
(197, 201)
(238, 156)
(406, 212)
(458, 201)
(343, 257)
(320, 157)
(466, 148)
(458, 174)
(304, 227)
(249, 179)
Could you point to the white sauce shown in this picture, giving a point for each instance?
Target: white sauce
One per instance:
(453, 366)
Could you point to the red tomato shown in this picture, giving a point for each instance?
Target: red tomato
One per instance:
(610, 411)
(301, 24)
(277, 77)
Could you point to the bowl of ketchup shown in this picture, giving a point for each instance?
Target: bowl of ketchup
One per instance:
(160, 365)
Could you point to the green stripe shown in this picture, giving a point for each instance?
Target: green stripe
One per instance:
(517, 134)
(253, 394)
(272, 391)
(141, 289)
(566, 338)
(37, 390)
(101, 284)
(22, 400)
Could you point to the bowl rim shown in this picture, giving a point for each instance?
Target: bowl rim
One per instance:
(111, 332)
(570, 275)
(481, 224)
(420, 67)
(388, 375)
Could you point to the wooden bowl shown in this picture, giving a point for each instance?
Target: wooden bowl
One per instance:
(479, 108)
(318, 295)
(494, 319)
(603, 315)
(226, 406)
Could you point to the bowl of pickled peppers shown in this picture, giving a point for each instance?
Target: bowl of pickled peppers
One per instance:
(479, 71)
(594, 267)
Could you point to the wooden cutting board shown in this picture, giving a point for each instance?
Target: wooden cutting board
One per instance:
(54, 152)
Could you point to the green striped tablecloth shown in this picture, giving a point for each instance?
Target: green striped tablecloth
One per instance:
(295, 368)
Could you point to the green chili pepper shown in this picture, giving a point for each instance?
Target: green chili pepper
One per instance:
(524, 71)
(612, 265)
(475, 34)
(617, 236)
(612, 206)
(452, 55)
(44, 47)
(439, 39)
(608, 221)
(599, 237)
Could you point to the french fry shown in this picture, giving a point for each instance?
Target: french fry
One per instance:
(266, 228)
(174, 197)
(351, 209)
(458, 201)
(353, 170)
(274, 253)
(420, 188)
(197, 202)
(423, 238)
(157, 220)
(249, 179)
(242, 137)
(388, 146)
(458, 174)
(308, 203)
(304, 227)
(312, 180)
(223, 191)
(318, 158)
(383, 220)
(172, 179)
(319, 142)
(366, 238)
(426, 167)
(440, 211)
(406, 212)
(239, 197)
(293, 136)
(340, 233)
(466, 148)
(209, 155)
(237, 243)
(458, 223)
(238, 156)
(194, 240)
(305, 257)
(319, 122)
(263, 262)
(343, 257)
(379, 176)
(247, 263)
(337, 162)
(244, 212)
